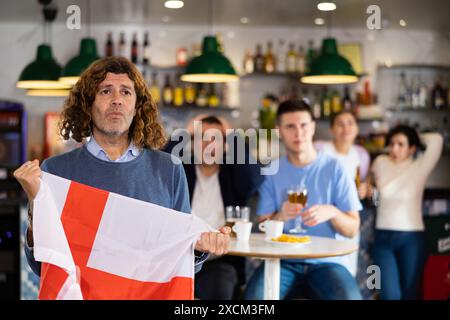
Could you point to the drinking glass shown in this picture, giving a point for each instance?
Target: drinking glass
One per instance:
(298, 195)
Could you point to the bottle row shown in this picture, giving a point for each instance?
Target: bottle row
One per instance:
(413, 92)
(281, 59)
(175, 93)
(325, 101)
(141, 52)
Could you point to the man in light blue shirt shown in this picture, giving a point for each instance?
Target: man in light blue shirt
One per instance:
(331, 210)
(97, 151)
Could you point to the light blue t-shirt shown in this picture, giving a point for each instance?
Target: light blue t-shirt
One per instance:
(326, 182)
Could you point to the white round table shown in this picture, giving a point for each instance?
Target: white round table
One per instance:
(257, 247)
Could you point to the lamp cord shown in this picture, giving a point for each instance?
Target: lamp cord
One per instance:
(44, 31)
(328, 24)
(210, 16)
(88, 18)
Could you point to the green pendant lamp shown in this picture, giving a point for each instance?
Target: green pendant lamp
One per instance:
(211, 66)
(87, 55)
(73, 69)
(42, 73)
(330, 67)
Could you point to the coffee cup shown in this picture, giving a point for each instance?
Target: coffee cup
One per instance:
(272, 228)
(242, 230)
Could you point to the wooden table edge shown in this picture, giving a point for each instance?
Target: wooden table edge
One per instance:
(289, 256)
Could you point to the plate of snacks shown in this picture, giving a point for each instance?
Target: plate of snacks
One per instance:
(289, 240)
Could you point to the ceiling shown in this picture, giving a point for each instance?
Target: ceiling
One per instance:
(419, 14)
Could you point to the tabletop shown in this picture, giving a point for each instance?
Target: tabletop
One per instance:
(319, 247)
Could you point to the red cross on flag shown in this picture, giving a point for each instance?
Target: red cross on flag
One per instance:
(94, 244)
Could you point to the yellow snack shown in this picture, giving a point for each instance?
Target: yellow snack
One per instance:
(292, 239)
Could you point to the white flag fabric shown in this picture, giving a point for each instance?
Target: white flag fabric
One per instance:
(94, 244)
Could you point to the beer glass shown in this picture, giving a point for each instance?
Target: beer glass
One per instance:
(358, 177)
(299, 195)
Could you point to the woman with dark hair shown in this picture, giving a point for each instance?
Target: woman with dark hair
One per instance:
(400, 177)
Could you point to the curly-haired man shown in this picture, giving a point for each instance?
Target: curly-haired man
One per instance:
(112, 106)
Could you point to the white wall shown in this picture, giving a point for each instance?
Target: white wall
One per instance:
(18, 44)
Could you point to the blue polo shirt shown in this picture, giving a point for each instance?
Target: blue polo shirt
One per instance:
(327, 183)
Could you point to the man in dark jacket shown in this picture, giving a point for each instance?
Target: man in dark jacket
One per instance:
(215, 183)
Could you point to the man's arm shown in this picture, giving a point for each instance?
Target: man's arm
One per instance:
(346, 223)
(28, 247)
(343, 209)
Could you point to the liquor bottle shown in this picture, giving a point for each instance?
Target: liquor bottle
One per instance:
(423, 94)
(310, 55)
(367, 95)
(146, 54)
(269, 59)
(347, 101)
(155, 90)
(196, 50)
(178, 97)
(294, 93)
(109, 47)
(189, 94)
(317, 109)
(182, 57)
(220, 45)
(291, 59)
(336, 105)
(213, 98)
(248, 62)
(122, 48)
(134, 49)
(301, 60)
(167, 94)
(258, 59)
(415, 93)
(284, 95)
(438, 96)
(202, 98)
(326, 104)
(402, 92)
(281, 57)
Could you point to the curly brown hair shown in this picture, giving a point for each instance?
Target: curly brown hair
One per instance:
(145, 131)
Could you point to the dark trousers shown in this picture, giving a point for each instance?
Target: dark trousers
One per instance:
(321, 281)
(401, 257)
(217, 280)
